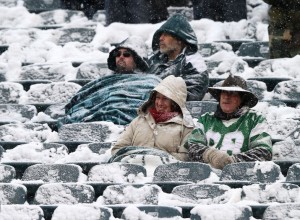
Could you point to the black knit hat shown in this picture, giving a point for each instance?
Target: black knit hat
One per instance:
(235, 84)
(137, 47)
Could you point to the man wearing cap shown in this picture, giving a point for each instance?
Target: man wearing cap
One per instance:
(234, 132)
(175, 48)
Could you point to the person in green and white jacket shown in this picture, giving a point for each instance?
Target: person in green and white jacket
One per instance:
(234, 132)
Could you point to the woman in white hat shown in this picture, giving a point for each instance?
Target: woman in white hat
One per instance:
(234, 132)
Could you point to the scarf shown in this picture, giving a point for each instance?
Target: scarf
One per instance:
(162, 117)
(224, 116)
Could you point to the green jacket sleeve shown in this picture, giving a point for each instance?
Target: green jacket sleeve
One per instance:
(260, 147)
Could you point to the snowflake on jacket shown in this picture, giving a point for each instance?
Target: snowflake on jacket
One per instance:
(189, 64)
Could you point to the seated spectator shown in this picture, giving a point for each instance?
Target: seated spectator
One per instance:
(284, 28)
(175, 49)
(114, 97)
(162, 125)
(225, 10)
(234, 133)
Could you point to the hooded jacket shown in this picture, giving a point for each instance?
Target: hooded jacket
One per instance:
(189, 64)
(170, 135)
(137, 47)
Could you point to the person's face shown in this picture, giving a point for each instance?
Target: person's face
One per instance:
(124, 61)
(162, 103)
(169, 45)
(230, 101)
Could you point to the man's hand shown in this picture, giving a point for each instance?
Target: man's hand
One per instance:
(217, 158)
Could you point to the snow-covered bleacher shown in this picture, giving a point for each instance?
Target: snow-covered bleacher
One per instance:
(46, 172)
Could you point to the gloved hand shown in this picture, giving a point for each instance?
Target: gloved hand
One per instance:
(217, 158)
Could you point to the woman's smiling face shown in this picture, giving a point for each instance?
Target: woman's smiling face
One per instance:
(162, 103)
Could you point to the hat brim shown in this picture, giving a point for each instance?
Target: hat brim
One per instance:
(250, 99)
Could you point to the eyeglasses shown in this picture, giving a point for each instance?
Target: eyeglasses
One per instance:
(125, 54)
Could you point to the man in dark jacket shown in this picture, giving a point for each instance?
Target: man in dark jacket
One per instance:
(284, 28)
(175, 49)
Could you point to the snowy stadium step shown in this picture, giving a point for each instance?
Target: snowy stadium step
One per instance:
(208, 49)
(8, 3)
(282, 211)
(271, 82)
(37, 6)
(288, 92)
(237, 175)
(34, 73)
(95, 146)
(91, 70)
(254, 49)
(12, 193)
(103, 175)
(8, 173)
(75, 34)
(32, 212)
(284, 129)
(53, 173)
(285, 165)
(168, 176)
(235, 44)
(204, 193)
(86, 166)
(72, 145)
(264, 194)
(20, 167)
(48, 173)
(82, 212)
(88, 132)
(51, 93)
(156, 211)
(147, 194)
(7, 145)
(54, 193)
(56, 212)
(254, 52)
(233, 211)
(11, 113)
(293, 174)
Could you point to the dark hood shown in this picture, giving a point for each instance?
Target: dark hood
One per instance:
(138, 48)
(178, 26)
